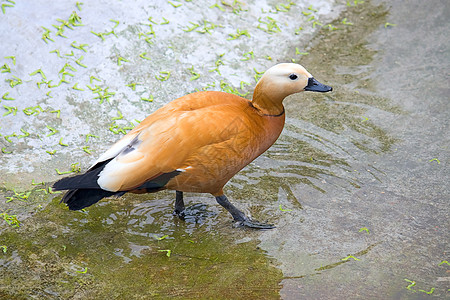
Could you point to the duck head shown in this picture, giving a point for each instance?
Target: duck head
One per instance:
(280, 81)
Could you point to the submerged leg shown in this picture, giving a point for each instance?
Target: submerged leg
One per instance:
(239, 216)
(179, 205)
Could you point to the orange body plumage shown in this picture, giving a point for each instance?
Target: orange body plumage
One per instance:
(196, 143)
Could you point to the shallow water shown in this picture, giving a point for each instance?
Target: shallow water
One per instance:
(370, 155)
(385, 132)
(121, 249)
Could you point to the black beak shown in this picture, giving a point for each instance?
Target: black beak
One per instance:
(315, 86)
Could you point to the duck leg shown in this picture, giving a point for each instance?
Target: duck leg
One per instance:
(239, 216)
(179, 205)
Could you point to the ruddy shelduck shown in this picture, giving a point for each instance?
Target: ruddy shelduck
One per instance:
(195, 143)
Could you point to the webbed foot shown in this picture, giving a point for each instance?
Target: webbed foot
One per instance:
(240, 218)
(179, 214)
(254, 224)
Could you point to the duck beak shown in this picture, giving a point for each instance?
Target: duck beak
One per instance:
(315, 86)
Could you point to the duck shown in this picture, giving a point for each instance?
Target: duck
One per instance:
(195, 143)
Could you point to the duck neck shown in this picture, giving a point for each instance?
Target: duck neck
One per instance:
(268, 100)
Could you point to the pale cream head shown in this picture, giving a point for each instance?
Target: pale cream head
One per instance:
(280, 81)
(286, 78)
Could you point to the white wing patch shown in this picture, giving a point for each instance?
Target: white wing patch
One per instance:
(134, 158)
(115, 149)
(112, 177)
(184, 169)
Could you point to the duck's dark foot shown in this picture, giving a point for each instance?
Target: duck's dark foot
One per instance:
(179, 214)
(240, 218)
(179, 206)
(254, 224)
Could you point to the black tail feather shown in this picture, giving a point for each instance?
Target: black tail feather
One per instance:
(87, 180)
(83, 190)
(82, 198)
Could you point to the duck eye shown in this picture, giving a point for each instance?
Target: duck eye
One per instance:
(293, 76)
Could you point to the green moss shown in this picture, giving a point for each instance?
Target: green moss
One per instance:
(117, 243)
